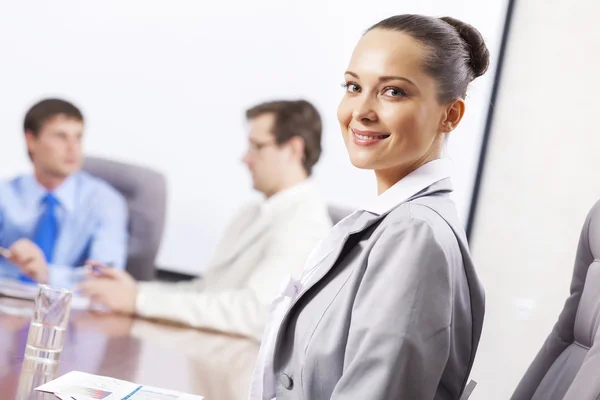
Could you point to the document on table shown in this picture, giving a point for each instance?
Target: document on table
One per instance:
(81, 386)
(19, 290)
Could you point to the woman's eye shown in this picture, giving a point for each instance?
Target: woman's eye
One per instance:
(394, 92)
(351, 87)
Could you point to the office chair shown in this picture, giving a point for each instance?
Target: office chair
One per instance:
(145, 191)
(568, 365)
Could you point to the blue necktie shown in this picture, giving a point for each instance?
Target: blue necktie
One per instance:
(47, 228)
(46, 231)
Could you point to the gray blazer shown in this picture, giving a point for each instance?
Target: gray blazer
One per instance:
(394, 312)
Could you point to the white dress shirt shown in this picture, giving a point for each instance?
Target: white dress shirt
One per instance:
(263, 383)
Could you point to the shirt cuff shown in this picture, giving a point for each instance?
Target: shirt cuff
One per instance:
(141, 298)
(145, 292)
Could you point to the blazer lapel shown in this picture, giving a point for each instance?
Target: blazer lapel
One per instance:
(363, 221)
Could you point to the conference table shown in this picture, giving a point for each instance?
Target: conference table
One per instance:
(211, 364)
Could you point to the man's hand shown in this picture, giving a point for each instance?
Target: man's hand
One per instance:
(112, 288)
(30, 259)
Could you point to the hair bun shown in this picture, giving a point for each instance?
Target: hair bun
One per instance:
(479, 54)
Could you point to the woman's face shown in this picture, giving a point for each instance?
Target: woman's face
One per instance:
(390, 116)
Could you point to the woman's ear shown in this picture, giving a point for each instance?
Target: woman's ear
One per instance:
(453, 115)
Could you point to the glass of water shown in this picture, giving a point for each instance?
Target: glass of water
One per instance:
(34, 374)
(49, 324)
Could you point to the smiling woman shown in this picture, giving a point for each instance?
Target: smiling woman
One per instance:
(405, 91)
(390, 306)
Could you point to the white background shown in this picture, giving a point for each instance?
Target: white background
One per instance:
(165, 84)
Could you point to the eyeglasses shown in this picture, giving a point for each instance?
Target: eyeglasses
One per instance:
(256, 147)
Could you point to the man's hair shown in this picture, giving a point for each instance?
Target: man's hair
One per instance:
(294, 118)
(47, 109)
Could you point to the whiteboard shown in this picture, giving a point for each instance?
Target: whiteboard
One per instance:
(165, 84)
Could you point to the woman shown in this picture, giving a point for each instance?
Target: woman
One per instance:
(389, 306)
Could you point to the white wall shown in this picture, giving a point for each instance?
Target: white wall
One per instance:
(165, 84)
(541, 178)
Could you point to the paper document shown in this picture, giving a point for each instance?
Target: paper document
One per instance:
(81, 386)
(19, 290)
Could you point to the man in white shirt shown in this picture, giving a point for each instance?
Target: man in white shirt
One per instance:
(264, 243)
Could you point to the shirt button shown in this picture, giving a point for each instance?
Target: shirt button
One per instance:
(286, 381)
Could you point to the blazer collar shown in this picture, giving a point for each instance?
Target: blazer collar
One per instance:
(368, 218)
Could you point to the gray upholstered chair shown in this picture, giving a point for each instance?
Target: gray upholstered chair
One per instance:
(568, 365)
(338, 213)
(146, 192)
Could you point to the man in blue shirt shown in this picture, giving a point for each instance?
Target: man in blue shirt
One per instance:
(58, 217)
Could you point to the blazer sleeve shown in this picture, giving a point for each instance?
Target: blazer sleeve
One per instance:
(243, 310)
(399, 335)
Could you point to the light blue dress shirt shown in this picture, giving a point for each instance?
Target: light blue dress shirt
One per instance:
(92, 222)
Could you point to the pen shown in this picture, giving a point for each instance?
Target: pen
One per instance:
(95, 270)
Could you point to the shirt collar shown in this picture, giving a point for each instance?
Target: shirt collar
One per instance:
(286, 196)
(65, 193)
(418, 180)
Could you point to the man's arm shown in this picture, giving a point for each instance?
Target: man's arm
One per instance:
(20, 257)
(7, 269)
(241, 311)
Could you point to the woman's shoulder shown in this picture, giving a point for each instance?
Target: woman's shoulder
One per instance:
(426, 209)
(434, 215)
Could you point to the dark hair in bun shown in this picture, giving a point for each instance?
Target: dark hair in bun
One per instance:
(479, 56)
(457, 55)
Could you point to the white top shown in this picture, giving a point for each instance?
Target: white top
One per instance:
(263, 382)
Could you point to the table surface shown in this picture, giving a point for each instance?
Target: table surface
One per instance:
(210, 364)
